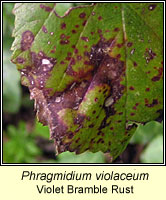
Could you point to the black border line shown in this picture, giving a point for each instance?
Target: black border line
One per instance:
(80, 164)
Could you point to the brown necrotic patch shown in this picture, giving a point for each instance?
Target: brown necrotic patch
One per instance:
(42, 63)
(105, 70)
(70, 98)
(47, 117)
(27, 40)
(39, 71)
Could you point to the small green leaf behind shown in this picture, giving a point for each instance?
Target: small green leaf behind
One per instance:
(20, 146)
(145, 133)
(150, 136)
(86, 157)
(40, 130)
(11, 85)
(153, 153)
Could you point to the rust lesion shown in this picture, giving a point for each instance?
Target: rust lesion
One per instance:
(104, 69)
(27, 40)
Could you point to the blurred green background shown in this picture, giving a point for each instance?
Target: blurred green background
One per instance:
(26, 141)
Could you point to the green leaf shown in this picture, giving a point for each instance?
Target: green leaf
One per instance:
(20, 146)
(86, 157)
(146, 133)
(153, 153)
(61, 8)
(92, 71)
(40, 130)
(11, 85)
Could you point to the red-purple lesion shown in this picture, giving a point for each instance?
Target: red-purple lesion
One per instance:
(82, 15)
(38, 72)
(46, 8)
(103, 69)
(27, 40)
(159, 75)
(106, 70)
(150, 105)
(44, 29)
(149, 55)
(20, 60)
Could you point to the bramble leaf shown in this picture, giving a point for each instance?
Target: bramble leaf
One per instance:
(94, 72)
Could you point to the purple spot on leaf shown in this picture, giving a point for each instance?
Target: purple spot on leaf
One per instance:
(62, 62)
(44, 29)
(84, 23)
(116, 29)
(85, 39)
(135, 64)
(100, 18)
(132, 114)
(27, 40)
(63, 26)
(82, 15)
(46, 8)
(75, 50)
(156, 78)
(96, 99)
(79, 57)
(129, 44)
(73, 31)
(20, 60)
(64, 42)
(131, 88)
(147, 89)
(62, 36)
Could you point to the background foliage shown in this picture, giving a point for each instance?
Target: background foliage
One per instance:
(27, 141)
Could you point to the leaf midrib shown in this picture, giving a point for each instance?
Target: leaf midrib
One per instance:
(81, 33)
